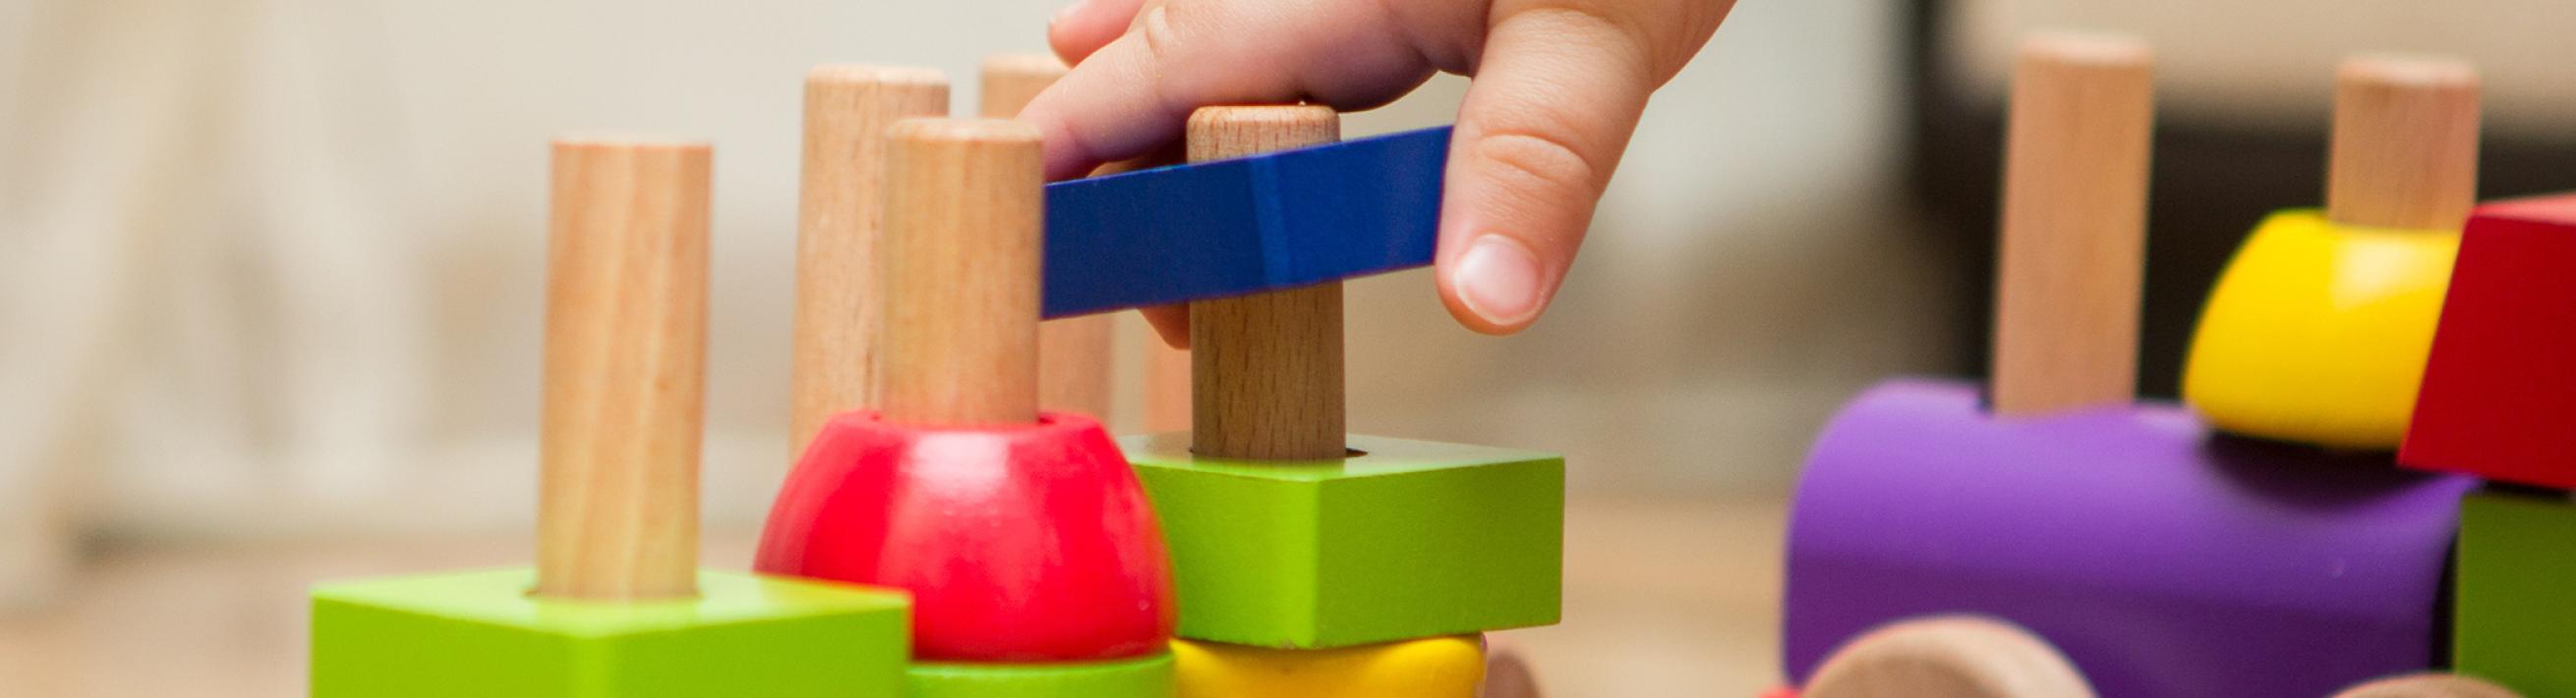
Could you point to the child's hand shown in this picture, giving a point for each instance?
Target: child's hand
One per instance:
(1558, 88)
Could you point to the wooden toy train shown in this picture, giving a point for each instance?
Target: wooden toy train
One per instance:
(2049, 537)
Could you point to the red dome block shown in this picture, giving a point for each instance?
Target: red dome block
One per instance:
(2499, 389)
(1019, 544)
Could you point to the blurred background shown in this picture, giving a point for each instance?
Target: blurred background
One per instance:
(270, 277)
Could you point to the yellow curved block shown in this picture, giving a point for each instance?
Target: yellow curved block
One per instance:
(2317, 332)
(1437, 667)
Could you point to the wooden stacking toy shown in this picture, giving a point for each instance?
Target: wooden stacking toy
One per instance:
(2317, 330)
(616, 605)
(1313, 563)
(1034, 561)
(2163, 559)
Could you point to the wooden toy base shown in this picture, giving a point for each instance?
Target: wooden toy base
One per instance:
(482, 634)
(1146, 677)
(1437, 667)
(1413, 539)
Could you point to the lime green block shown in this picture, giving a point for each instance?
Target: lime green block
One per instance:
(481, 634)
(2513, 609)
(1412, 539)
(1144, 677)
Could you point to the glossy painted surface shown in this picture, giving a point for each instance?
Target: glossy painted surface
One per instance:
(2316, 333)
(480, 633)
(1020, 544)
(2161, 558)
(1234, 227)
(2499, 395)
(1146, 677)
(2514, 615)
(1436, 667)
(1412, 539)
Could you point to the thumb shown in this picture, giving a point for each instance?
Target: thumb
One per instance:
(1556, 96)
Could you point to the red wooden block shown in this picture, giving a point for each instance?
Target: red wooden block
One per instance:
(2499, 392)
(1019, 544)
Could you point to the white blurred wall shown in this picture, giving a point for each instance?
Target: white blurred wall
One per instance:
(272, 267)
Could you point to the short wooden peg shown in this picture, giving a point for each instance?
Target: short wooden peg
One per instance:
(963, 221)
(1266, 369)
(2405, 143)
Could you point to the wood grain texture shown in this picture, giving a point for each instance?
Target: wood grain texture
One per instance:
(840, 212)
(1073, 353)
(2405, 151)
(2074, 225)
(2428, 685)
(625, 370)
(962, 253)
(1266, 369)
(1948, 657)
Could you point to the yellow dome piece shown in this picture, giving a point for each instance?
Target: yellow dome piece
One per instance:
(2317, 332)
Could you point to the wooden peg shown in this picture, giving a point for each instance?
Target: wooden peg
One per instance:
(2405, 143)
(2074, 225)
(1266, 369)
(1073, 353)
(625, 369)
(840, 212)
(1948, 657)
(1012, 80)
(962, 253)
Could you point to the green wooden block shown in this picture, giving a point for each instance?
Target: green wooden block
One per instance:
(1144, 677)
(1412, 539)
(2513, 614)
(481, 634)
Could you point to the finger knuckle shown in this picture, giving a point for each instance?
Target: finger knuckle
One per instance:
(1537, 164)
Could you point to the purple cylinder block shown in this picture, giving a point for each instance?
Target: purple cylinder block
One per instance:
(2164, 560)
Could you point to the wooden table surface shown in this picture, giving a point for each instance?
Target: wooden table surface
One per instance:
(1662, 598)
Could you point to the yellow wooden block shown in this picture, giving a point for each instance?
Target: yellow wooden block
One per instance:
(1438, 667)
(2317, 332)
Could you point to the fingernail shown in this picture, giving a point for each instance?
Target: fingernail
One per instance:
(1067, 13)
(1498, 279)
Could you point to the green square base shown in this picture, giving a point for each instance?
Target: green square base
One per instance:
(2513, 615)
(1142, 677)
(481, 634)
(1408, 539)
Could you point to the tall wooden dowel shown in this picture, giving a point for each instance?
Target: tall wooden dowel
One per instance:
(1073, 353)
(2405, 143)
(840, 215)
(625, 369)
(964, 202)
(2074, 225)
(1266, 369)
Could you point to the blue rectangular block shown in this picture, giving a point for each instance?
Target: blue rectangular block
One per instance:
(1235, 227)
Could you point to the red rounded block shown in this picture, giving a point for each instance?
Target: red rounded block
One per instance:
(1019, 544)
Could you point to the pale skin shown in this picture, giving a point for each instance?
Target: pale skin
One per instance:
(1558, 87)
